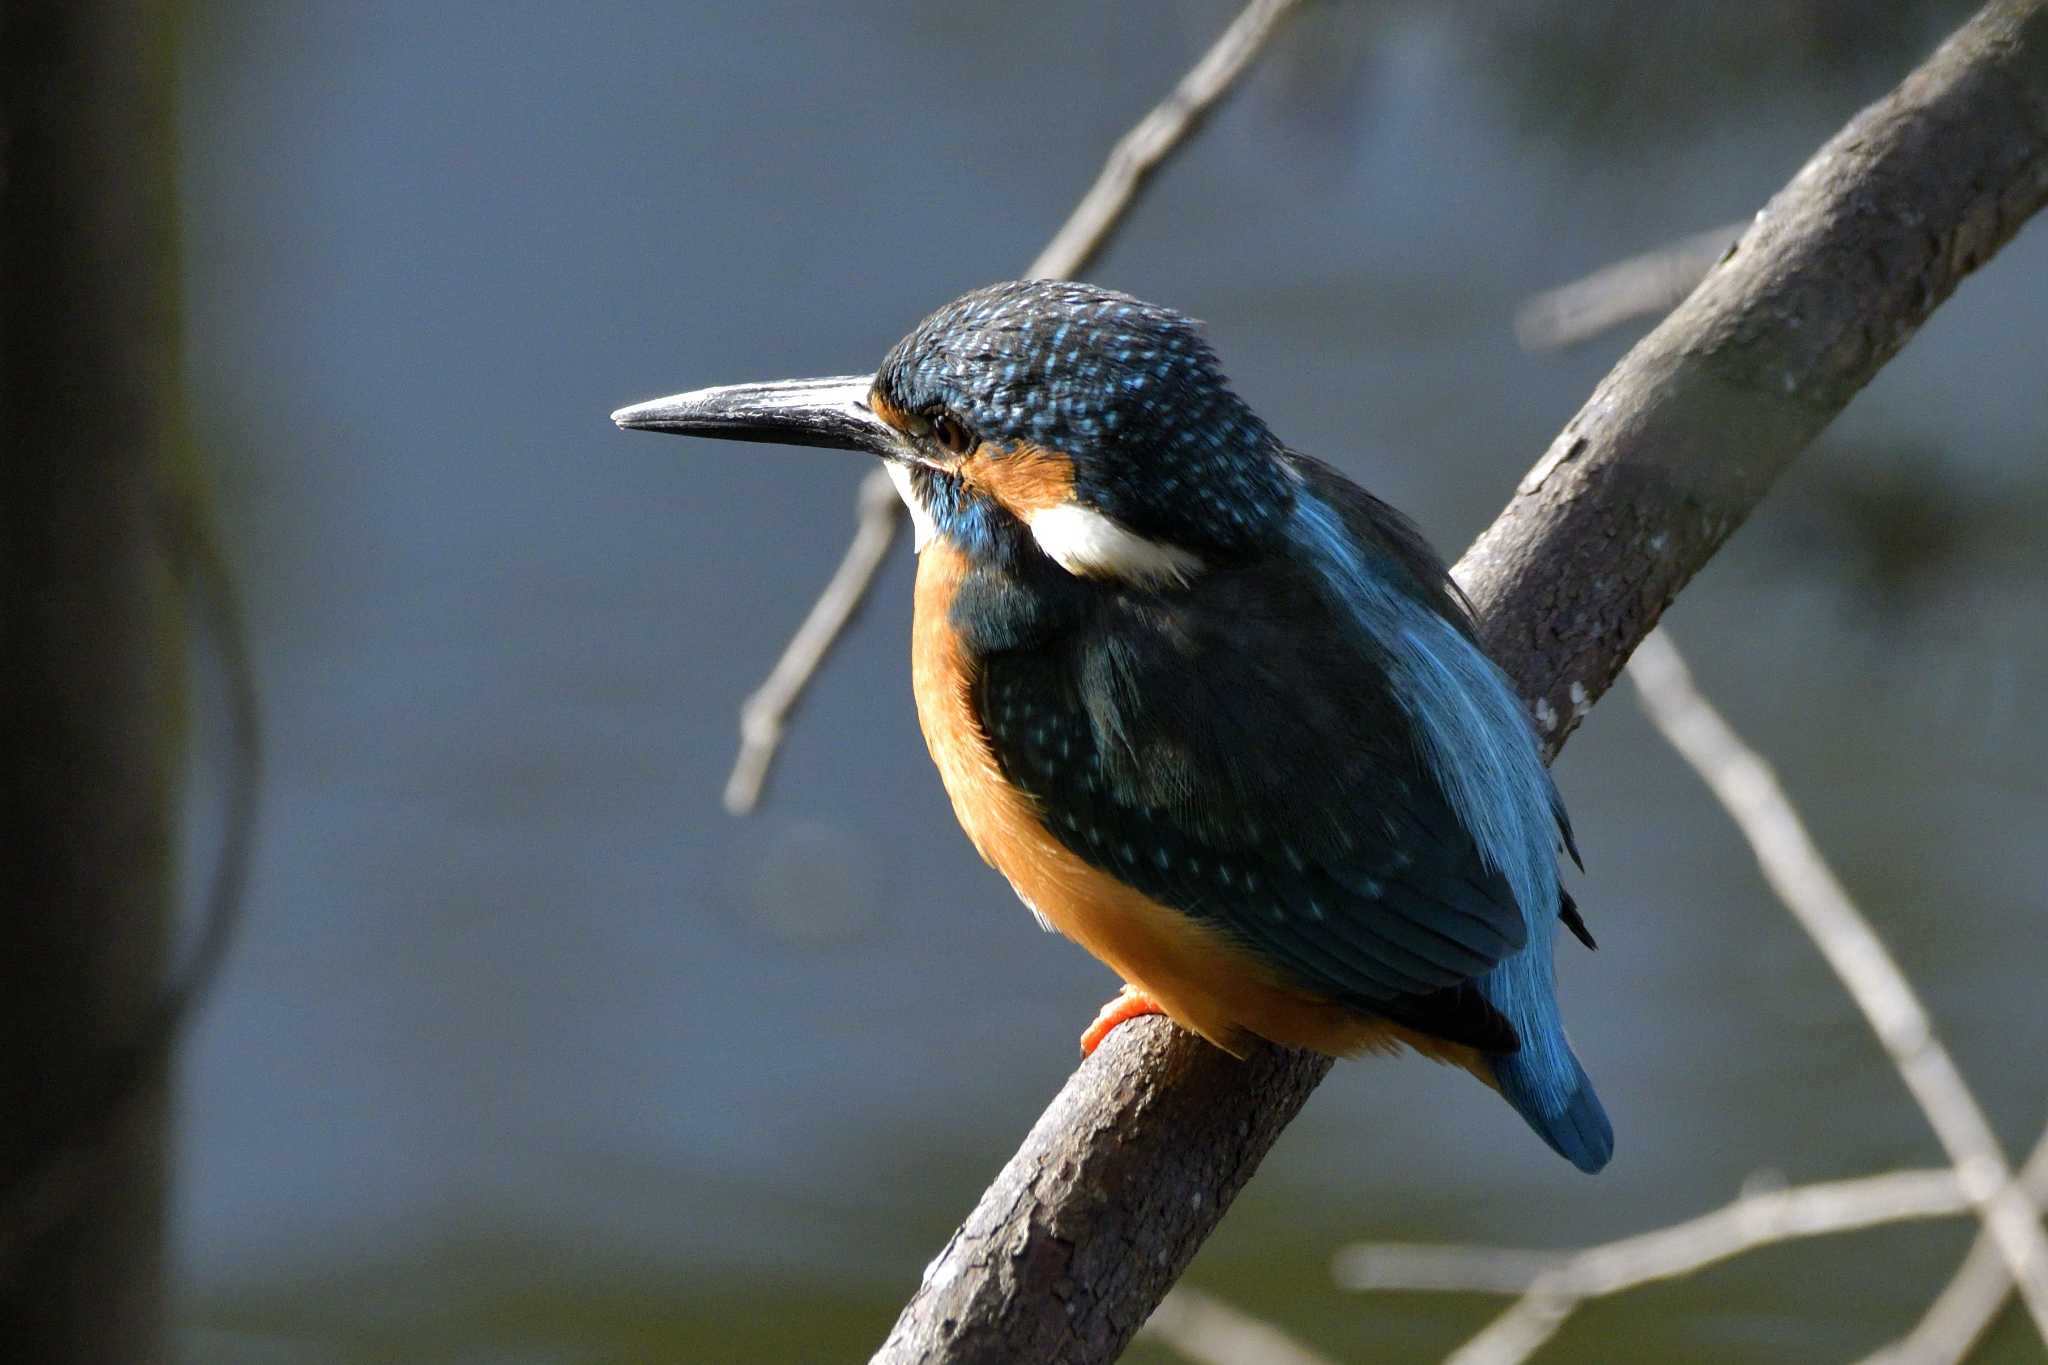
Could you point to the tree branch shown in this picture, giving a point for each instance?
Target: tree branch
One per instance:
(1966, 1306)
(1130, 1168)
(1207, 1331)
(1753, 1221)
(1682, 439)
(765, 714)
(1642, 286)
(1088, 229)
(1748, 790)
(1552, 1283)
(1157, 136)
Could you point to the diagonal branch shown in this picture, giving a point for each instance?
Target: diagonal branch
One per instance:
(1139, 152)
(1205, 1330)
(765, 715)
(1551, 1284)
(1961, 1312)
(1642, 286)
(1135, 1160)
(1748, 790)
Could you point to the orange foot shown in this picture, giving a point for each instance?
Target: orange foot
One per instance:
(1130, 1003)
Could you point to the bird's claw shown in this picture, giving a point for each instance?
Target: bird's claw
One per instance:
(1130, 1003)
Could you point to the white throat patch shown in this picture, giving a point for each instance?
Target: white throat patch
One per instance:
(921, 526)
(1088, 544)
(1079, 539)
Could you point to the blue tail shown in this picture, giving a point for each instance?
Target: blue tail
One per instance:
(1544, 1081)
(1559, 1104)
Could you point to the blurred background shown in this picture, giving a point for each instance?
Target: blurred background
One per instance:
(531, 1053)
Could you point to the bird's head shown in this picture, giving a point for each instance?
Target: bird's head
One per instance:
(1083, 422)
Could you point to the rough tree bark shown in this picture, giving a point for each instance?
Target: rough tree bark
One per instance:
(1131, 1167)
(88, 664)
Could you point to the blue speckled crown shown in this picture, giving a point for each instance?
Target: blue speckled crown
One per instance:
(1128, 390)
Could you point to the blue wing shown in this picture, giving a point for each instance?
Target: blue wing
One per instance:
(1237, 754)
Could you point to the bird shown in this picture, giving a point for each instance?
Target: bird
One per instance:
(1217, 713)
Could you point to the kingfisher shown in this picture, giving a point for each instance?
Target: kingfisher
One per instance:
(1218, 714)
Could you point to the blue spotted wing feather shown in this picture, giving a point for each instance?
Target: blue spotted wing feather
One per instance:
(1373, 522)
(1245, 765)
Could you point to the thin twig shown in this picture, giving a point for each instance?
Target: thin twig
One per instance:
(1749, 791)
(1962, 1311)
(766, 712)
(1139, 152)
(1552, 1284)
(765, 717)
(1814, 1210)
(1648, 285)
(1206, 1330)
(1444, 1268)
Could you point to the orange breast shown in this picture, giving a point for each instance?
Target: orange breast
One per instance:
(1204, 982)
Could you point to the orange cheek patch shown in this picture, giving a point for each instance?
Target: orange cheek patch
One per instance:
(1025, 479)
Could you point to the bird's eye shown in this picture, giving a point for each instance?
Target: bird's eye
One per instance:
(951, 434)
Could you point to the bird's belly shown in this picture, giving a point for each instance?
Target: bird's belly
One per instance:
(1202, 980)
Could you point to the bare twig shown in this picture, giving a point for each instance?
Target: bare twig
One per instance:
(1961, 1312)
(1136, 1159)
(1078, 242)
(1140, 151)
(767, 709)
(1208, 1331)
(1749, 791)
(1445, 1268)
(1551, 1284)
(1796, 871)
(1642, 286)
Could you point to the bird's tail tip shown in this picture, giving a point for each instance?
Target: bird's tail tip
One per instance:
(1558, 1102)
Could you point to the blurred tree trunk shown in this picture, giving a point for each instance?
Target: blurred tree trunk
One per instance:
(90, 667)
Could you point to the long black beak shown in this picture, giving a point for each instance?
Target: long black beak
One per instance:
(798, 412)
